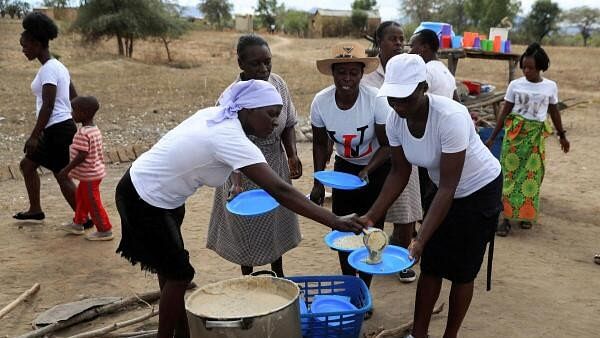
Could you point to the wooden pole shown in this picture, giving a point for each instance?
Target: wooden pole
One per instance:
(115, 326)
(95, 312)
(21, 298)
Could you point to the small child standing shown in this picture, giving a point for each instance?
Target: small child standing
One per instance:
(87, 166)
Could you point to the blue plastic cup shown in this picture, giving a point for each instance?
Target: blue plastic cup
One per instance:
(477, 43)
(457, 41)
(446, 29)
(507, 46)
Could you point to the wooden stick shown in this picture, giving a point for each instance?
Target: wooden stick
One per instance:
(131, 334)
(115, 326)
(95, 312)
(400, 330)
(21, 298)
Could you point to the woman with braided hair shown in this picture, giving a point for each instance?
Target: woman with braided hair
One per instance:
(48, 143)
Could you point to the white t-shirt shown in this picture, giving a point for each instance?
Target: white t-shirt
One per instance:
(449, 130)
(375, 78)
(440, 80)
(192, 155)
(531, 99)
(352, 130)
(55, 73)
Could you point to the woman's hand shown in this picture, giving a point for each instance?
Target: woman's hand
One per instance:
(415, 249)
(295, 167)
(317, 195)
(348, 223)
(235, 190)
(489, 143)
(564, 144)
(63, 174)
(364, 174)
(30, 145)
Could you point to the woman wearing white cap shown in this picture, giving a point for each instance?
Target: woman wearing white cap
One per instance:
(202, 150)
(437, 133)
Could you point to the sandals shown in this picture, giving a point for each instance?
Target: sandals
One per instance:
(525, 225)
(368, 314)
(503, 228)
(24, 216)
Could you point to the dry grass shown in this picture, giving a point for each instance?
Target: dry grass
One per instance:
(145, 96)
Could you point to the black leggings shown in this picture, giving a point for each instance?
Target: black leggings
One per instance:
(276, 266)
(357, 201)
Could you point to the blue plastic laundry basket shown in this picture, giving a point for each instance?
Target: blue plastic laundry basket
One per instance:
(346, 324)
(485, 133)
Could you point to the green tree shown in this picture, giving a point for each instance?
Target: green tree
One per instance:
(496, 10)
(542, 20)
(17, 8)
(452, 12)
(583, 18)
(267, 12)
(296, 22)
(126, 20)
(3, 4)
(216, 12)
(55, 3)
(359, 19)
(365, 5)
(418, 10)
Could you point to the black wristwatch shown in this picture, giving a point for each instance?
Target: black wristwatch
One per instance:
(561, 134)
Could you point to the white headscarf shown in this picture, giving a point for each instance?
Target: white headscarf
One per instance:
(245, 94)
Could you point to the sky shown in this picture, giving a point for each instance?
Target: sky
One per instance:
(388, 9)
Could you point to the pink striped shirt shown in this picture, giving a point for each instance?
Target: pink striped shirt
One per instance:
(88, 139)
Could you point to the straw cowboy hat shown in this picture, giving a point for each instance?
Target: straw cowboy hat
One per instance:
(345, 52)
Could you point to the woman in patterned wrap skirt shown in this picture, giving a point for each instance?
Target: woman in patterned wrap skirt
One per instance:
(259, 240)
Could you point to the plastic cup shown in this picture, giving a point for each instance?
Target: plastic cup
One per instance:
(507, 48)
(457, 41)
(477, 43)
(446, 29)
(446, 41)
(496, 43)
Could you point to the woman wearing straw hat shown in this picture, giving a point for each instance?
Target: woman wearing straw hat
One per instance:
(202, 150)
(350, 114)
(437, 133)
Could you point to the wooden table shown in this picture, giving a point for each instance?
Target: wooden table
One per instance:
(454, 54)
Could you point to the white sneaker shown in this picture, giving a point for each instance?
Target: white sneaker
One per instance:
(100, 236)
(73, 228)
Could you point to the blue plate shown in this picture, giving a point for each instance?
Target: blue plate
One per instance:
(393, 259)
(252, 203)
(331, 237)
(323, 304)
(339, 180)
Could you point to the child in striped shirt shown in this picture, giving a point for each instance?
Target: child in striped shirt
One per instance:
(87, 166)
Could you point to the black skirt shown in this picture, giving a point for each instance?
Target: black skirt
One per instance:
(152, 236)
(359, 201)
(52, 151)
(456, 249)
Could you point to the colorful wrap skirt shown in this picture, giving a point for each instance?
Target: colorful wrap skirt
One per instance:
(522, 159)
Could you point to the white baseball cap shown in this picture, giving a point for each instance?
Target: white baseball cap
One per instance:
(403, 73)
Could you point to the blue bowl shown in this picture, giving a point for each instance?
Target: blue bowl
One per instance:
(339, 180)
(252, 203)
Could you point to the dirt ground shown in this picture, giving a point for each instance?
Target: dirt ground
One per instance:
(545, 283)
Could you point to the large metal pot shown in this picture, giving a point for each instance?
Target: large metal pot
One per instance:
(283, 321)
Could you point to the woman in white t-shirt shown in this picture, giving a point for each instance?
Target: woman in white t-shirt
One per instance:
(350, 114)
(528, 102)
(48, 144)
(406, 210)
(202, 150)
(437, 133)
(439, 79)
